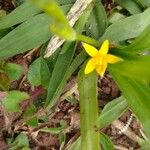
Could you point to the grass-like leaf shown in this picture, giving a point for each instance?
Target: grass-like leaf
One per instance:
(127, 28)
(137, 96)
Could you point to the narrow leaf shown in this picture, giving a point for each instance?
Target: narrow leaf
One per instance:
(106, 142)
(20, 14)
(137, 95)
(112, 111)
(127, 28)
(136, 68)
(141, 43)
(130, 5)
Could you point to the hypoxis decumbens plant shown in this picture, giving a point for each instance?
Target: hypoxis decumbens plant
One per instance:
(35, 22)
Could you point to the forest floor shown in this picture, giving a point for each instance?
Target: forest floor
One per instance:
(11, 124)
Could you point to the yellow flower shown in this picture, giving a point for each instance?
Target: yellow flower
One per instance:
(100, 59)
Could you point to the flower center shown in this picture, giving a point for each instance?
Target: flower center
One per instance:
(98, 60)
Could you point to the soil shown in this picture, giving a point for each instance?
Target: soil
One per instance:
(11, 124)
(6, 5)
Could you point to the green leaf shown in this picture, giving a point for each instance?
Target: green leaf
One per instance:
(65, 2)
(144, 3)
(137, 95)
(20, 39)
(140, 44)
(74, 65)
(112, 111)
(59, 24)
(87, 86)
(115, 16)
(20, 14)
(32, 122)
(31, 110)
(13, 99)
(127, 28)
(21, 141)
(145, 145)
(62, 80)
(130, 5)
(106, 142)
(56, 130)
(135, 68)
(59, 71)
(97, 22)
(14, 71)
(75, 145)
(3, 32)
(39, 73)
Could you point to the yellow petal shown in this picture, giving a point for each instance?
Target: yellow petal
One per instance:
(101, 69)
(90, 66)
(112, 59)
(92, 51)
(104, 48)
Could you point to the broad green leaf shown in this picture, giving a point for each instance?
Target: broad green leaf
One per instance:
(127, 28)
(20, 142)
(13, 99)
(14, 71)
(39, 73)
(97, 21)
(106, 142)
(59, 24)
(112, 111)
(87, 85)
(28, 35)
(32, 122)
(141, 43)
(137, 95)
(130, 5)
(136, 68)
(20, 14)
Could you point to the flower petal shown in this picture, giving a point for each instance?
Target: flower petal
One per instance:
(112, 59)
(92, 51)
(90, 66)
(104, 48)
(101, 69)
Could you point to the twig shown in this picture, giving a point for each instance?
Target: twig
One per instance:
(129, 133)
(73, 15)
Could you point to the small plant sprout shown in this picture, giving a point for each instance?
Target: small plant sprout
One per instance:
(100, 58)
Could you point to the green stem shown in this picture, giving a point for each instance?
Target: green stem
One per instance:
(87, 40)
(89, 116)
